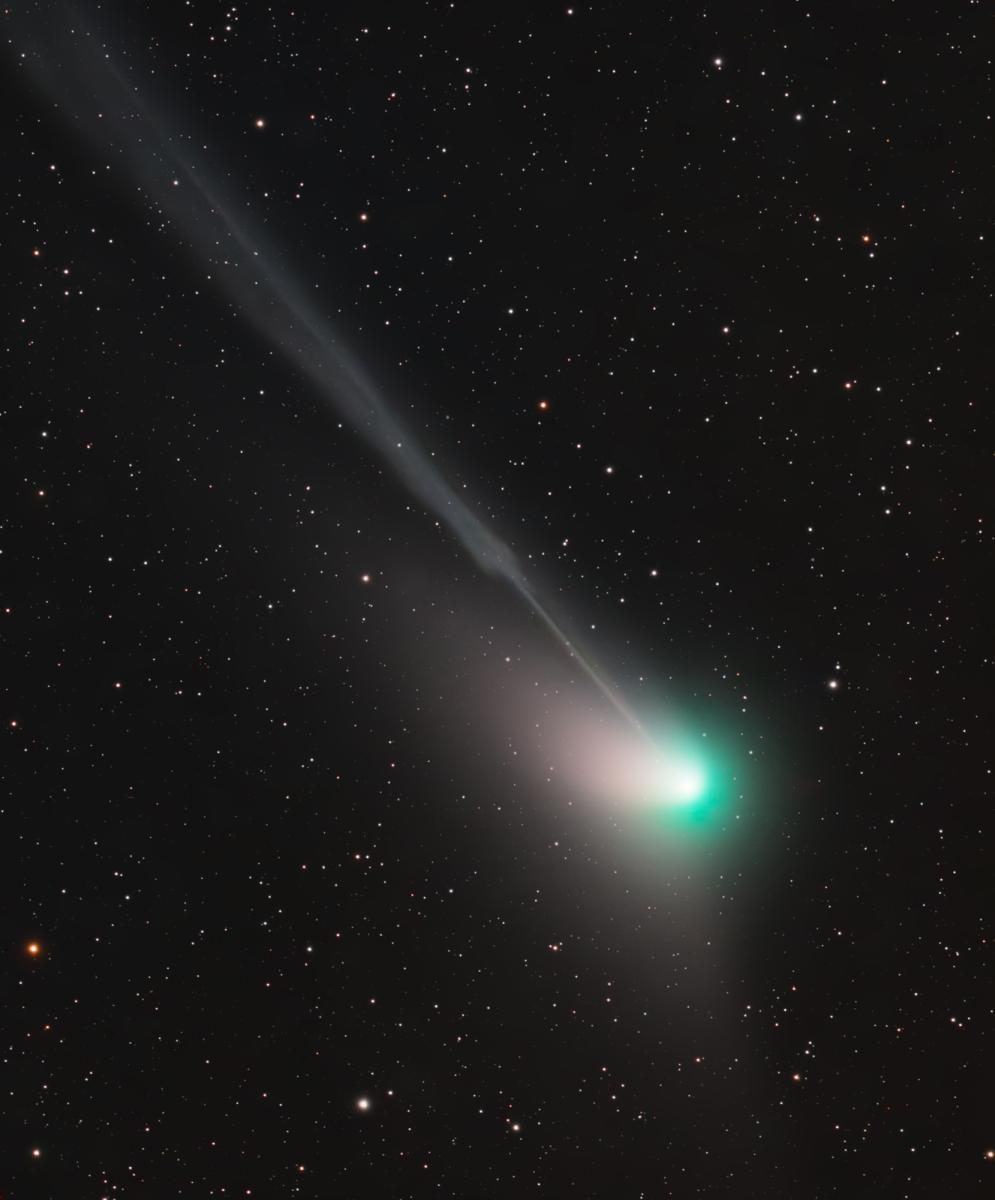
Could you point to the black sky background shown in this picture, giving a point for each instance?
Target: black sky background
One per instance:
(186, 519)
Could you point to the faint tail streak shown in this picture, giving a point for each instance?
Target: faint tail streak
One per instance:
(95, 94)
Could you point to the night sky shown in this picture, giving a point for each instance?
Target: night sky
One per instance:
(423, 425)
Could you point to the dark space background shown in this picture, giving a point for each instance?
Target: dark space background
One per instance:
(277, 903)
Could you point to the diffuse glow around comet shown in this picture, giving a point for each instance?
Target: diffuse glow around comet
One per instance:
(82, 77)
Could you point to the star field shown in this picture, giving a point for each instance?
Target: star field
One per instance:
(327, 868)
